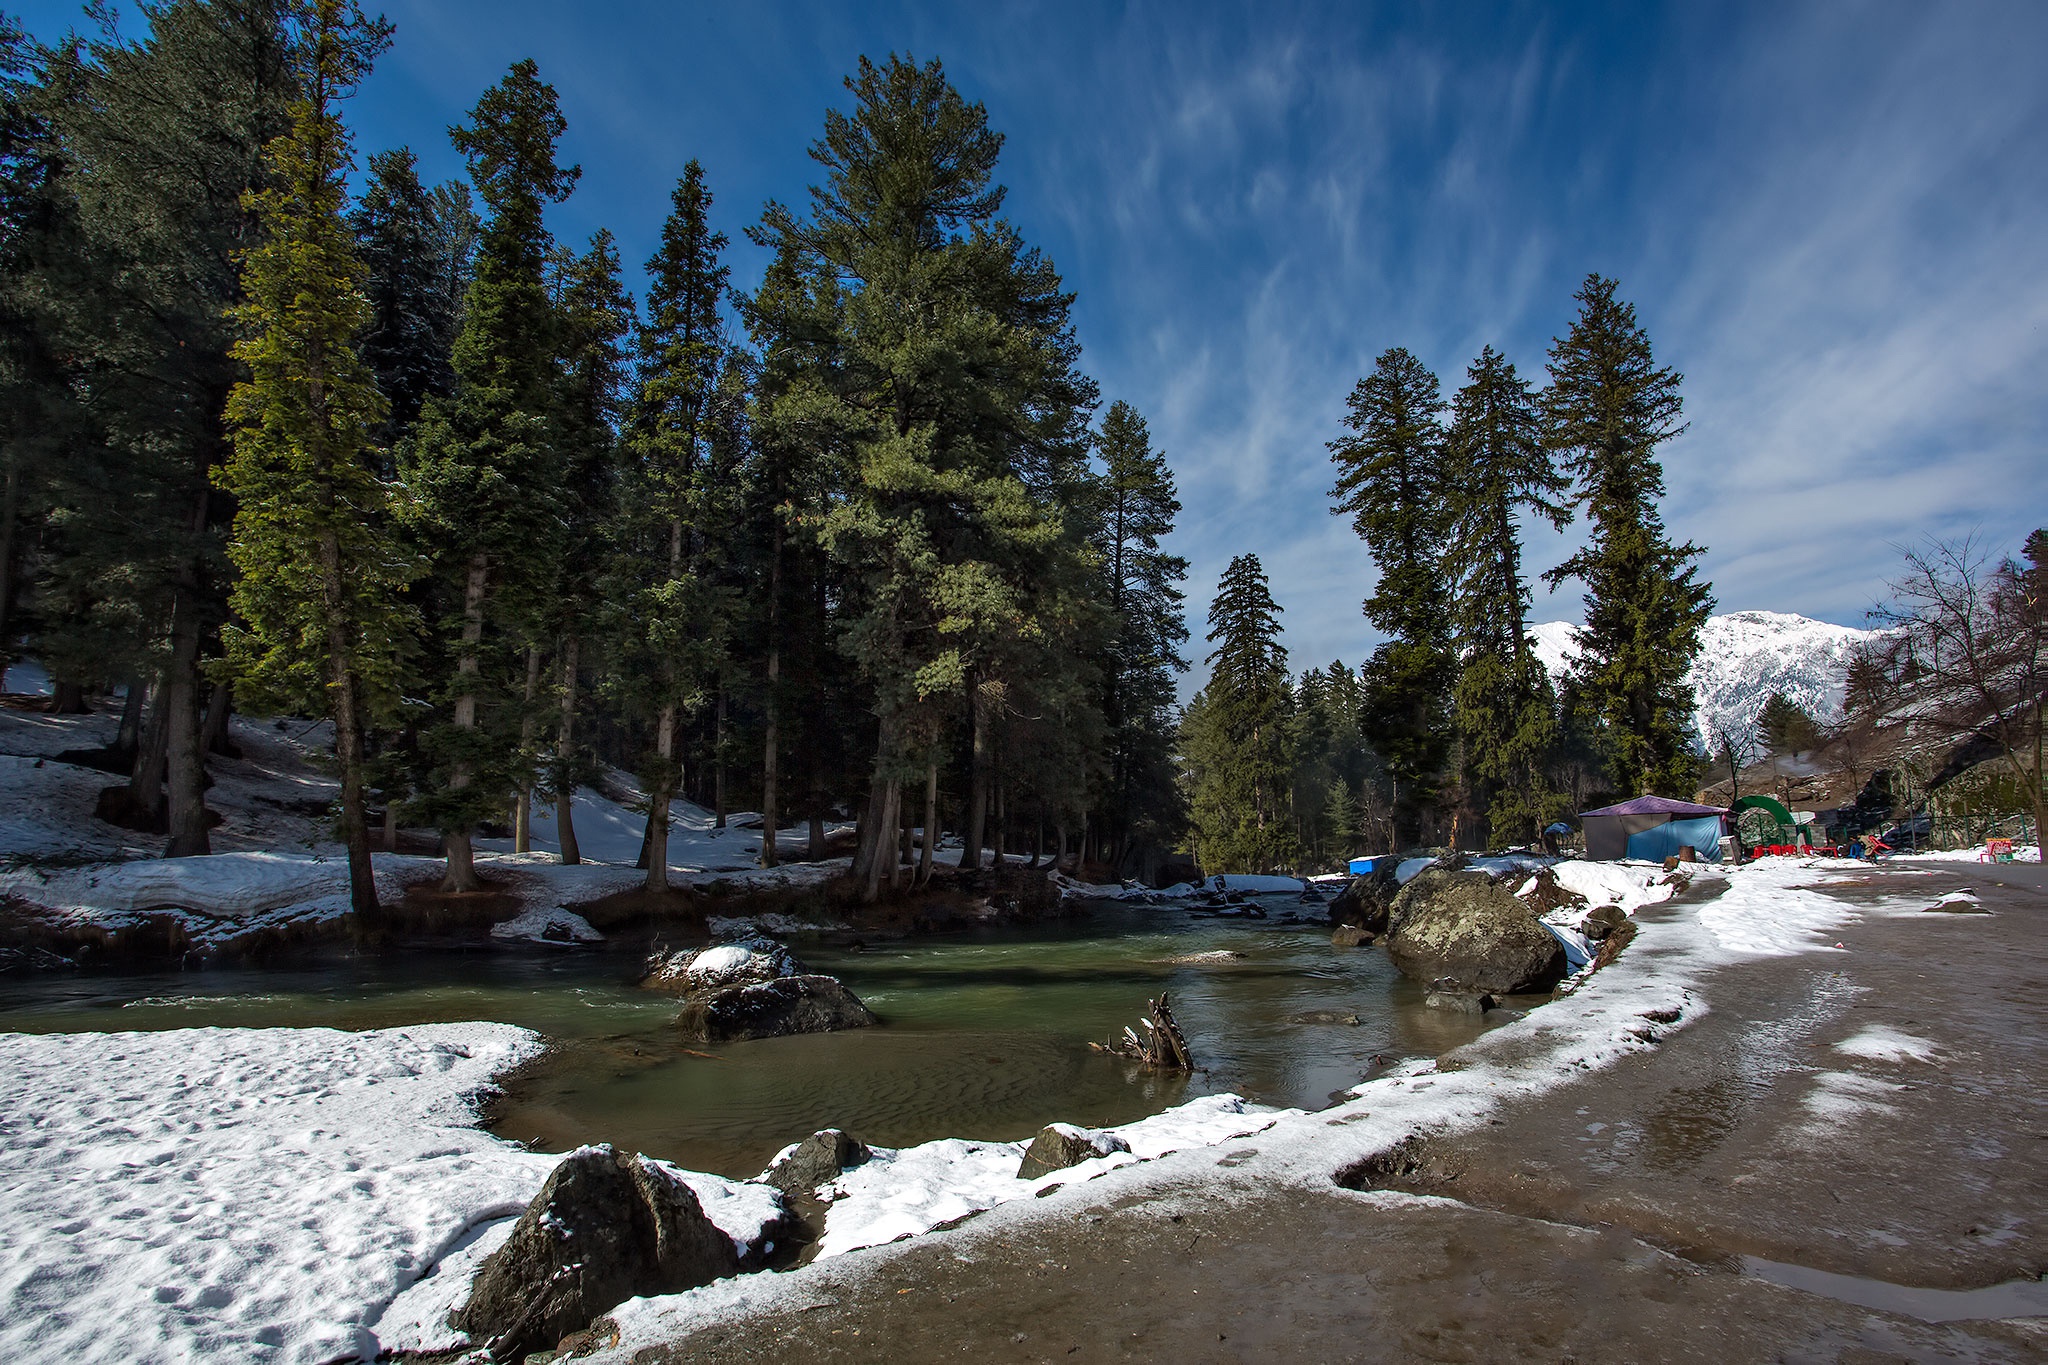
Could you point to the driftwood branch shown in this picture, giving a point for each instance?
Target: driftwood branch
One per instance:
(1157, 1041)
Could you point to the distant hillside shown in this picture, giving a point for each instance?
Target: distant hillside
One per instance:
(1744, 657)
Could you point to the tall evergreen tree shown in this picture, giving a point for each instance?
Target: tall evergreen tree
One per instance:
(676, 624)
(1391, 480)
(1235, 734)
(483, 462)
(596, 322)
(1609, 407)
(1149, 629)
(1498, 470)
(320, 592)
(411, 286)
(954, 351)
(163, 139)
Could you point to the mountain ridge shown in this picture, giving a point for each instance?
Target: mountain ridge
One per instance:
(1744, 657)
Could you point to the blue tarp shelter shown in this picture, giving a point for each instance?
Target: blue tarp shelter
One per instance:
(1653, 828)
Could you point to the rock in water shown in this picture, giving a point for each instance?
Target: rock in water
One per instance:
(1060, 1145)
(738, 963)
(1350, 936)
(819, 1159)
(603, 1229)
(773, 1009)
(1364, 900)
(1459, 928)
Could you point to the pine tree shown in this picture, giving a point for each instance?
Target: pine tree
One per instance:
(1498, 469)
(1391, 481)
(677, 623)
(1609, 407)
(953, 359)
(320, 593)
(1235, 732)
(162, 140)
(483, 463)
(412, 289)
(1149, 629)
(1786, 727)
(595, 316)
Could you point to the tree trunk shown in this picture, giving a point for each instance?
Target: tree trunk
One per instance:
(390, 824)
(68, 699)
(927, 855)
(461, 874)
(663, 792)
(565, 758)
(999, 825)
(10, 510)
(220, 708)
(893, 823)
(977, 782)
(771, 759)
(522, 810)
(146, 779)
(128, 738)
(185, 763)
(718, 763)
(345, 706)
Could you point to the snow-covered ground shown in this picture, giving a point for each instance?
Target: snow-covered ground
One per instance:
(2021, 853)
(287, 1194)
(276, 864)
(259, 1194)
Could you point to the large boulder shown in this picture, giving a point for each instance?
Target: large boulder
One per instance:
(1060, 1145)
(819, 1159)
(773, 1009)
(1459, 929)
(605, 1228)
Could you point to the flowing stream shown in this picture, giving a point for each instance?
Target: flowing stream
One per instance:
(984, 1035)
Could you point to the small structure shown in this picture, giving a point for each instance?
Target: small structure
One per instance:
(1364, 867)
(1653, 828)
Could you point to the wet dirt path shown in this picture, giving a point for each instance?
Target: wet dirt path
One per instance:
(1876, 1112)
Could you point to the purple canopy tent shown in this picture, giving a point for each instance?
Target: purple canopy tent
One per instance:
(1653, 828)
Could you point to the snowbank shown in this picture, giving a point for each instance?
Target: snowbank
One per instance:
(899, 1193)
(2021, 853)
(27, 678)
(260, 1194)
(547, 926)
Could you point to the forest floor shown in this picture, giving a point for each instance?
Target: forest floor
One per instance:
(1839, 1154)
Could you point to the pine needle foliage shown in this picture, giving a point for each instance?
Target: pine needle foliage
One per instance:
(1391, 480)
(1499, 470)
(1609, 407)
(323, 625)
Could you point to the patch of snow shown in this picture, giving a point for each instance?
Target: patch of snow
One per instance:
(294, 1195)
(1771, 909)
(901, 1192)
(1842, 1097)
(2021, 853)
(27, 678)
(547, 926)
(1882, 1044)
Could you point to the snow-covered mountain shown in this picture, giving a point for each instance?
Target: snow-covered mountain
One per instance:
(1744, 657)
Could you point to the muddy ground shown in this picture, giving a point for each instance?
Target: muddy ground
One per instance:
(1609, 1220)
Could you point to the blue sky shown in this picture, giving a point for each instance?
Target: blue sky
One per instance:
(1830, 218)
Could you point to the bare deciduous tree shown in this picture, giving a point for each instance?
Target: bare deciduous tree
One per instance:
(1969, 655)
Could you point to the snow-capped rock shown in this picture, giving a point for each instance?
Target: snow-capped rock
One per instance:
(1744, 657)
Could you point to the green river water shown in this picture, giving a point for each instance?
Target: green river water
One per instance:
(984, 1035)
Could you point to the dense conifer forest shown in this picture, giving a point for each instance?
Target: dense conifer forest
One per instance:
(287, 430)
